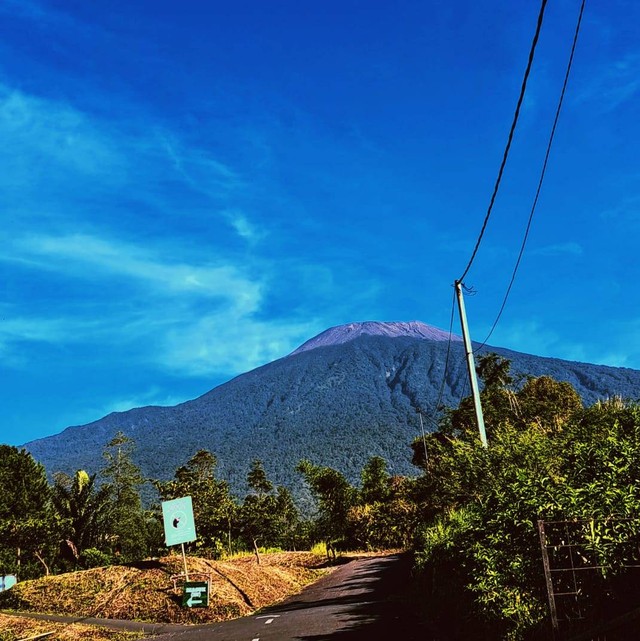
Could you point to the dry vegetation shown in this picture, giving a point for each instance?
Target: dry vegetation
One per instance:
(13, 628)
(146, 592)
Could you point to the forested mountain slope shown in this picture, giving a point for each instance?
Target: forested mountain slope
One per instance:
(341, 398)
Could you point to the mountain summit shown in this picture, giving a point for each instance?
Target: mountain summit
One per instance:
(345, 333)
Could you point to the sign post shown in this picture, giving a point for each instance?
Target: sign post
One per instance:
(179, 525)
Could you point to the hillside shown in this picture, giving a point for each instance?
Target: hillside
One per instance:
(336, 401)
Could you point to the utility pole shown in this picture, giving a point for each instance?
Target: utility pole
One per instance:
(470, 364)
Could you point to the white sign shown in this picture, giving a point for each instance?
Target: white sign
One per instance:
(179, 525)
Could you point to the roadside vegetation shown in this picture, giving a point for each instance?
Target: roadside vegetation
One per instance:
(470, 515)
(548, 458)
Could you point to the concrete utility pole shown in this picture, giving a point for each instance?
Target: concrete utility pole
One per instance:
(470, 364)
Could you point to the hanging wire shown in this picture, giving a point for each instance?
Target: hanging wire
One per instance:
(432, 417)
(446, 361)
(542, 176)
(509, 139)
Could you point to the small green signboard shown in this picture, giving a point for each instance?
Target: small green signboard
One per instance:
(196, 594)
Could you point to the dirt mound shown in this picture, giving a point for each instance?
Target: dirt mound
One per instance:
(152, 591)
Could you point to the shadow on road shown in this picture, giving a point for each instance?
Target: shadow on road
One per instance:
(378, 601)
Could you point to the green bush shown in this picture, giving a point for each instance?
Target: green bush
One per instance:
(94, 558)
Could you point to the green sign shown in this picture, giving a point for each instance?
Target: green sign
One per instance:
(179, 526)
(196, 594)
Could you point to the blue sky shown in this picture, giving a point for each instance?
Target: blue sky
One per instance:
(190, 190)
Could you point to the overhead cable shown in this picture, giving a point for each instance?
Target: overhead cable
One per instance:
(432, 416)
(542, 175)
(509, 140)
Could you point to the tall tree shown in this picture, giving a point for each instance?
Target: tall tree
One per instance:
(127, 522)
(28, 527)
(385, 513)
(375, 481)
(334, 496)
(266, 517)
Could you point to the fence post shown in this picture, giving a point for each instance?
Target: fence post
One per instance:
(549, 581)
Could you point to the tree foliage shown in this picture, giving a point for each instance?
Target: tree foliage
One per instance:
(213, 507)
(28, 524)
(84, 511)
(549, 458)
(334, 496)
(128, 532)
(268, 516)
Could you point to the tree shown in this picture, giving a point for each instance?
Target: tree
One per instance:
(386, 514)
(257, 479)
(83, 510)
(128, 537)
(28, 526)
(494, 371)
(375, 481)
(266, 517)
(548, 402)
(334, 496)
(288, 519)
(213, 507)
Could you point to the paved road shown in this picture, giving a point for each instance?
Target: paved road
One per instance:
(360, 600)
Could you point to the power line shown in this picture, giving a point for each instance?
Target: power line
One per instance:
(542, 175)
(446, 361)
(436, 409)
(510, 138)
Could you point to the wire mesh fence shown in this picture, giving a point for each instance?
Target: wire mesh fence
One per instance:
(592, 573)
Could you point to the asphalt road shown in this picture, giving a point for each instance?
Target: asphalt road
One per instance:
(363, 599)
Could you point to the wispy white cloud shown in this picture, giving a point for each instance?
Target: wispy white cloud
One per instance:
(614, 84)
(40, 134)
(179, 303)
(529, 336)
(616, 348)
(30, 329)
(195, 319)
(569, 248)
(627, 210)
(244, 227)
(84, 256)
(220, 343)
(198, 168)
(17, 331)
(63, 164)
(153, 396)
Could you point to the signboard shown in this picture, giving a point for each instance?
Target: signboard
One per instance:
(179, 526)
(196, 594)
(7, 581)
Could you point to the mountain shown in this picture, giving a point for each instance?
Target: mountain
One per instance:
(348, 394)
